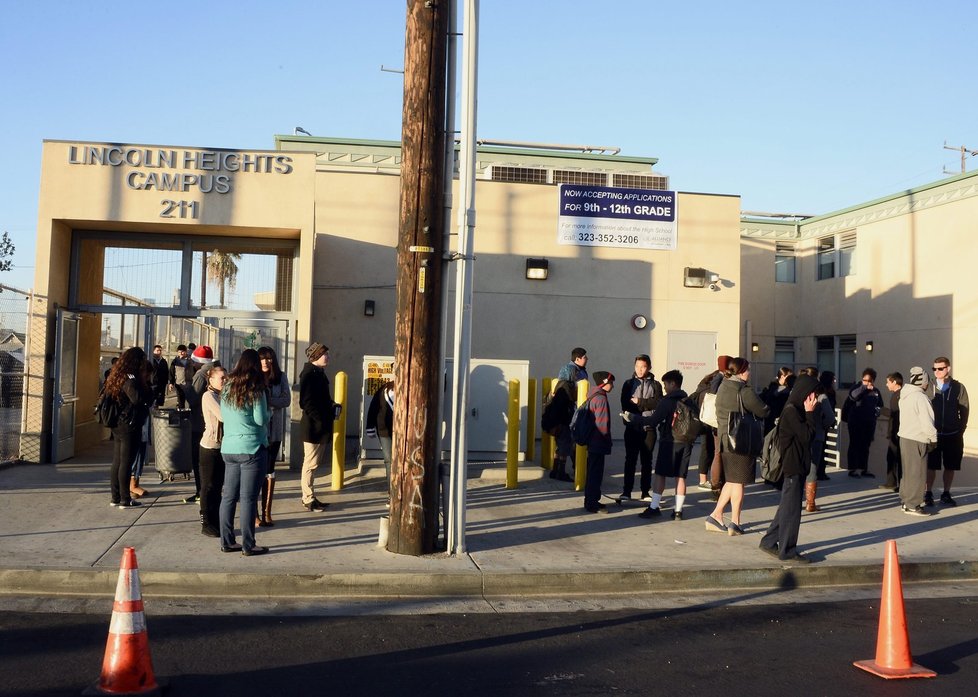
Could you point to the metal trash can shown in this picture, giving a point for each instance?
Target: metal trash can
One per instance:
(172, 442)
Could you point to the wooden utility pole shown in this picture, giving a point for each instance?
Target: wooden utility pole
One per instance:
(416, 452)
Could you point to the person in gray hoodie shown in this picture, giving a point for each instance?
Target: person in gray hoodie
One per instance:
(918, 436)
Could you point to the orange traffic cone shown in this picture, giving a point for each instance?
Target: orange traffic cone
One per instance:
(893, 659)
(127, 668)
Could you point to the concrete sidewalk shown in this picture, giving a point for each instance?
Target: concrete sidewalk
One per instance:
(60, 536)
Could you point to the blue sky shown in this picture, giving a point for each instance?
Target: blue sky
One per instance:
(796, 107)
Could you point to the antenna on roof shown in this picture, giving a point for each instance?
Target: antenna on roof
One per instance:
(964, 151)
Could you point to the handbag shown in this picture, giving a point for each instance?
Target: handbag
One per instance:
(745, 432)
(708, 409)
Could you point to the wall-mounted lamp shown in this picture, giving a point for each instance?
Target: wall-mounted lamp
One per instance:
(368, 308)
(537, 269)
(755, 347)
(699, 278)
(869, 346)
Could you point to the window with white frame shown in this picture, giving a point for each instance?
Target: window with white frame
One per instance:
(784, 262)
(837, 255)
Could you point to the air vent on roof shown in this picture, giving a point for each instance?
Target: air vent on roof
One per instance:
(640, 181)
(570, 176)
(522, 175)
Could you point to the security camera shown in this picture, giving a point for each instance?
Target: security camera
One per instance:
(714, 286)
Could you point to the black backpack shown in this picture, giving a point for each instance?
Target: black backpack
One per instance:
(108, 412)
(582, 424)
(686, 424)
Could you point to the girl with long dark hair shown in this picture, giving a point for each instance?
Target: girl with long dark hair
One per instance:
(244, 409)
(126, 384)
(279, 399)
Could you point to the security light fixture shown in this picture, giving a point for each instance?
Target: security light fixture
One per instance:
(537, 269)
(694, 277)
(869, 346)
(755, 347)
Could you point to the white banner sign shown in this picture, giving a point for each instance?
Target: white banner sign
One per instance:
(604, 216)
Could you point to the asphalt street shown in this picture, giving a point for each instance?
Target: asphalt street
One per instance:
(764, 650)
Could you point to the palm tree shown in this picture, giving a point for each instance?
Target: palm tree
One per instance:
(223, 271)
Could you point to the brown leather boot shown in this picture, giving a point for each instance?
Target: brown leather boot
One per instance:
(135, 491)
(811, 488)
(260, 518)
(270, 483)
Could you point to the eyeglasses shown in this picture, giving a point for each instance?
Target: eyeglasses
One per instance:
(940, 367)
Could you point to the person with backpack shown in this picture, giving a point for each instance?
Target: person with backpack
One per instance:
(639, 394)
(555, 420)
(126, 385)
(710, 467)
(796, 428)
(675, 445)
(599, 442)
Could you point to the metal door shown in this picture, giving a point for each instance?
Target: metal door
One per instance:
(694, 354)
(65, 403)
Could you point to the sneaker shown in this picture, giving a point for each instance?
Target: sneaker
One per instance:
(704, 486)
(947, 500)
(315, 505)
(919, 511)
(113, 504)
(596, 508)
(677, 515)
(650, 513)
(853, 473)
(625, 497)
(797, 558)
(646, 497)
(129, 504)
(209, 531)
(192, 499)
(928, 498)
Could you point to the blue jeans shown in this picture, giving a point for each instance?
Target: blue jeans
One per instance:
(242, 478)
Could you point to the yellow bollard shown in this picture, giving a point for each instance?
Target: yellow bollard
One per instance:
(513, 435)
(580, 452)
(547, 440)
(531, 419)
(339, 432)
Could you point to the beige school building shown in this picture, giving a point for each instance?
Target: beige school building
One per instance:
(143, 244)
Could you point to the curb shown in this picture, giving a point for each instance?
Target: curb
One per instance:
(470, 584)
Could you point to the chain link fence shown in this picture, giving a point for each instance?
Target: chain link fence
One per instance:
(15, 307)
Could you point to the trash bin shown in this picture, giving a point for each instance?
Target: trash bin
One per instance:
(172, 442)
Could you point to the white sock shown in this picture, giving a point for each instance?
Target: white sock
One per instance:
(656, 498)
(680, 500)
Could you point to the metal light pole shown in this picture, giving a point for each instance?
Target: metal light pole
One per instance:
(463, 278)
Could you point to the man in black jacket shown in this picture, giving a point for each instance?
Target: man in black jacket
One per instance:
(950, 402)
(316, 426)
(159, 375)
